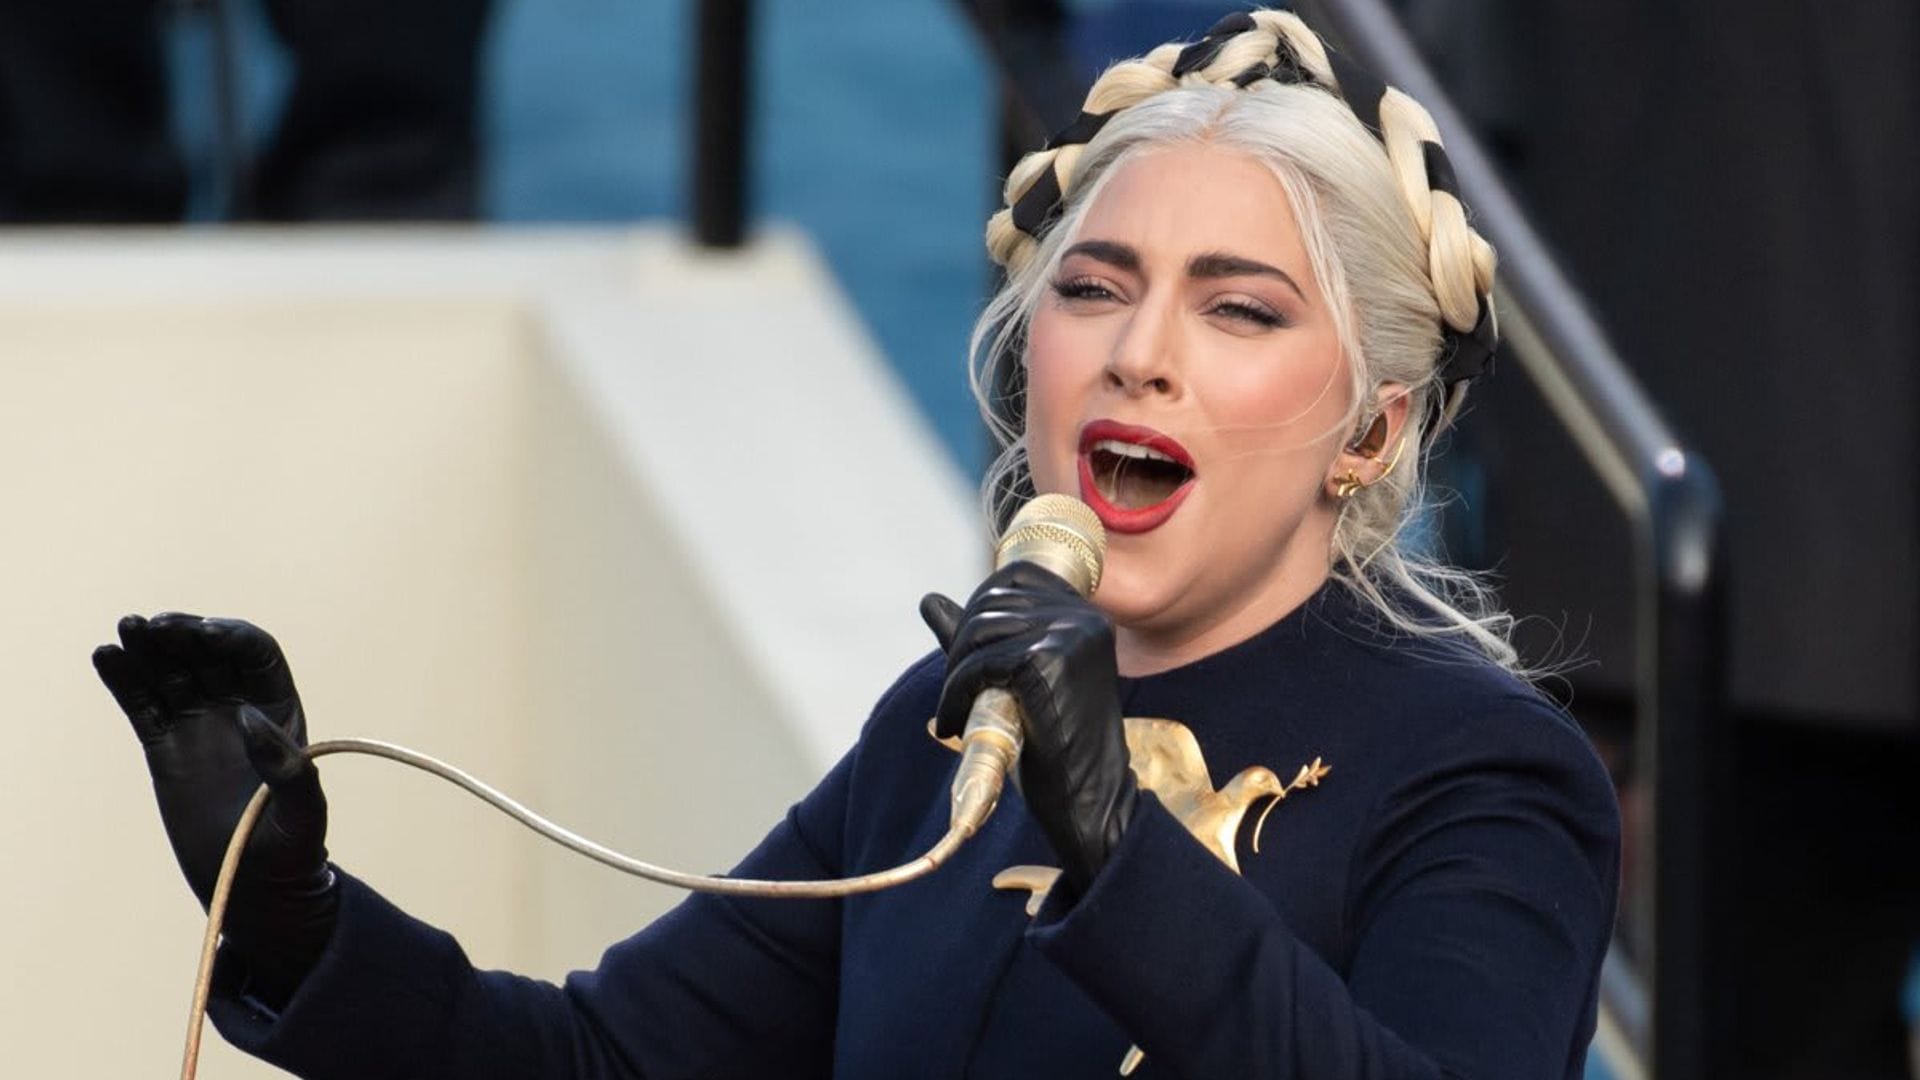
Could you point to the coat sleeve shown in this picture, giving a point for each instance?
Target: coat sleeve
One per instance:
(1480, 904)
(718, 986)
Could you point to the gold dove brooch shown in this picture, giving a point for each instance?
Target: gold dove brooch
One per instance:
(1167, 761)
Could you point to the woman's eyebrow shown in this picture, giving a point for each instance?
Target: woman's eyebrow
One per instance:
(1211, 264)
(1117, 255)
(1219, 264)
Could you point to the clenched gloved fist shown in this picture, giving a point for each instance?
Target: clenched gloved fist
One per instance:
(215, 709)
(1027, 631)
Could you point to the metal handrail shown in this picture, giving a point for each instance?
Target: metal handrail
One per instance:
(1671, 501)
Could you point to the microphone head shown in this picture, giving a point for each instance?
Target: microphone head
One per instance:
(1060, 534)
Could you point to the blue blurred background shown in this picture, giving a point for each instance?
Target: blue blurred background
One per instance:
(884, 154)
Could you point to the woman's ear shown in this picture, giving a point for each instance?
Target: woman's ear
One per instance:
(1375, 447)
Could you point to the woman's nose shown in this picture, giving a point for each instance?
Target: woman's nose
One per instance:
(1143, 361)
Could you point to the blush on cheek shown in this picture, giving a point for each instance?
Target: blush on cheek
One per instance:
(1053, 406)
(1052, 462)
(1295, 409)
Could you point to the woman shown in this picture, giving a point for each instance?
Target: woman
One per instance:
(1234, 318)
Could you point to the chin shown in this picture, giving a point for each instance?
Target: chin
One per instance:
(1133, 596)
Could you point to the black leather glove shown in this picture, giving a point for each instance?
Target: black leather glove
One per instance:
(215, 708)
(1026, 630)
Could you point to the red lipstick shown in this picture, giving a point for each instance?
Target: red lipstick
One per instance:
(1137, 519)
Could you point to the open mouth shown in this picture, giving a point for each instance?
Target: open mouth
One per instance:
(1134, 478)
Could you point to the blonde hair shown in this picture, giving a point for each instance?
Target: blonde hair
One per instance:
(1396, 259)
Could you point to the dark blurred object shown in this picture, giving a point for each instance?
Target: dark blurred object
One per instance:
(1830, 901)
(1732, 184)
(379, 123)
(1040, 85)
(723, 85)
(83, 114)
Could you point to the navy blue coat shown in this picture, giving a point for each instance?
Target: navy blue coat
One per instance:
(1438, 906)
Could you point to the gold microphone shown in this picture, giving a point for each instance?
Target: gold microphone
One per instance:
(1060, 534)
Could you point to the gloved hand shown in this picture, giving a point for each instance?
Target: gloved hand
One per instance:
(1027, 631)
(215, 708)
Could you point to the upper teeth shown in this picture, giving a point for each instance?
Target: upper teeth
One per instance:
(1132, 450)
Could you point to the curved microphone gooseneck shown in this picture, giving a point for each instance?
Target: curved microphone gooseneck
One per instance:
(1055, 532)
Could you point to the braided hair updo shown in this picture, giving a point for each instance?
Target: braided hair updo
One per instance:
(1407, 278)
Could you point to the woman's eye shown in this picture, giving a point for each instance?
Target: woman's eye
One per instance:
(1249, 313)
(1081, 289)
